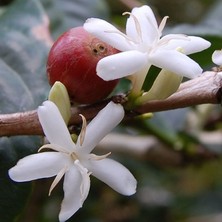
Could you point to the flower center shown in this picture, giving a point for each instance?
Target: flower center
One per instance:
(74, 156)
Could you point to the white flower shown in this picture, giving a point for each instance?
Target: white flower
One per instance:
(75, 161)
(217, 57)
(142, 46)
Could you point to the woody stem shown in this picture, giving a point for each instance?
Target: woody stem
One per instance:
(202, 90)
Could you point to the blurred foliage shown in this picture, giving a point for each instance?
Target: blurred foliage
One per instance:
(23, 86)
(186, 193)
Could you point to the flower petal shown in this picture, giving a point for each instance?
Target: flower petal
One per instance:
(196, 44)
(108, 33)
(54, 126)
(121, 65)
(108, 118)
(217, 57)
(188, 44)
(144, 25)
(173, 41)
(73, 198)
(36, 166)
(176, 62)
(114, 174)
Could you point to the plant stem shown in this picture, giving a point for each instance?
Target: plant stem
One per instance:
(202, 90)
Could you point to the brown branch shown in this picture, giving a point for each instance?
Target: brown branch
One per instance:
(201, 90)
(204, 89)
(25, 123)
(149, 148)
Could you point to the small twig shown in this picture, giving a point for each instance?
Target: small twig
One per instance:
(149, 148)
(201, 90)
(204, 89)
(25, 123)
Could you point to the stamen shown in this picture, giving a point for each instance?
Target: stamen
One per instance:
(74, 156)
(57, 179)
(137, 24)
(80, 167)
(122, 34)
(126, 13)
(180, 49)
(97, 157)
(162, 24)
(53, 147)
(83, 130)
(85, 184)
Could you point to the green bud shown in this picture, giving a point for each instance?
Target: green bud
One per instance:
(59, 95)
(165, 85)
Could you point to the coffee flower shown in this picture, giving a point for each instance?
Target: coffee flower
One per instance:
(217, 57)
(143, 46)
(75, 161)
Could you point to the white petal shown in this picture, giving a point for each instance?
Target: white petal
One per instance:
(114, 174)
(73, 198)
(176, 62)
(54, 126)
(121, 65)
(188, 44)
(107, 119)
(108, 33)
(173, 41)
(145, 24)
(36, 166)
(217, 57)
(196, 44)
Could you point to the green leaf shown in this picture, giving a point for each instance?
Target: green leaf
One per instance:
(15, 95)
(13, 196)
(67, 14)
(22, 47)
(23, 86)
(209, 26)
(166, 125)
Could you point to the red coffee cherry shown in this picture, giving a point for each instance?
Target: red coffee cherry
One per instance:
(72, 60)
